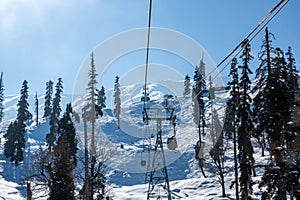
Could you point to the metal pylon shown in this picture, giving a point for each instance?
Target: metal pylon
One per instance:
(157, 174)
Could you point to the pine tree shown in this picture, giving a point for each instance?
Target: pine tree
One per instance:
(90, 111)
(218, 151)
(279, 96)
(48, 99)
(15, 134)
(62, 184)
(187, 84)
(23, 113)
(15, 142)
(199, 110)
(260, 102)
(211, 90)
(1, 97)
(101, 101)
(292, 74)
(54, 116)
(36, 108)
(9, 146)
(117, 100)
(245, 154)
(199, 90)
(231, 117)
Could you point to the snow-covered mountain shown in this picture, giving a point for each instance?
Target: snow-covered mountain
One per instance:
(126, 175)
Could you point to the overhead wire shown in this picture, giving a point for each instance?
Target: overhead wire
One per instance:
(249, 40)
(246, 41)
(147, 51)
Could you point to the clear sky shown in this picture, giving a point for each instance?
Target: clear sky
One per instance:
(47, 39)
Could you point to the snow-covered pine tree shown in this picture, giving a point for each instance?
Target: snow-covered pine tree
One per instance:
(245, 155)
(260, 102)
(54, 116)
(199, 90)
(101, 101)
(199, 110)
(187, 85)
(292, 74)
(15, 134)
(230, 121)
(211, 89)
(48, 99)
(36, 103)
(9, 145)
(23, 113)
(1, 97)
(117, 100)
(278, 93)
(64, 154)
(218, 151)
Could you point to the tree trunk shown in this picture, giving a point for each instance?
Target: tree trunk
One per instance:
(86, 192)
(29, 192)
(235, 164)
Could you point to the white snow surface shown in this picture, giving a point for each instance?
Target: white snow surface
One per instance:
(126, 177)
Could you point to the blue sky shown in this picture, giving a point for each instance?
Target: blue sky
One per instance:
(48, 39)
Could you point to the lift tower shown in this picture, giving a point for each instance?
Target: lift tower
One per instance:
(157, 174)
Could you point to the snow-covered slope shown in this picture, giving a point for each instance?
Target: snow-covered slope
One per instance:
(126, 175)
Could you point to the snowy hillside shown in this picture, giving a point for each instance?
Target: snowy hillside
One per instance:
(126, 175)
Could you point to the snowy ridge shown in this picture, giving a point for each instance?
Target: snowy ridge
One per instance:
(126, 176)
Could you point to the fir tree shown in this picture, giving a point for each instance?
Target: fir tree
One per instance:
(211, 90)
(15, 142)
(245, 154)
(260, 101)
(23, 113)
(62, 184)
(1, 97)
(117, 100)
(199, 90)
(36, 108)
(9, 146)
(231, 117)
(198, 108)
(101, 101)
(54, 117)
(292, 74)
(15, 134)
(279, 96)
(218, 151)
(48, 99)
(90, 111)
(187, 84)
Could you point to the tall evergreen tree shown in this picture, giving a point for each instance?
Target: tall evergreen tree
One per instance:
(199, 110)
(1, 97)
(48, 99)
(101, 101)
(117, 100)
(15, 142)
(187, 85)
(292, 74)
(278, 94)
(15, 134)
(245, 128)
(36, 102)
(62, 183)
(260, 101)
(199, 90)
(218, 151)
(23, 113)
(231, 117)
(90, 111)
(54, 116)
